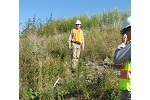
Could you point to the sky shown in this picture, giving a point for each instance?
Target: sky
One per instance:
(42, 9)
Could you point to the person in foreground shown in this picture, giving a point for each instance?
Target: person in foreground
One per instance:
(122, 56)
(76, 44)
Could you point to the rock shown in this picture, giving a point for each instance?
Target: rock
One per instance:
(106, 60)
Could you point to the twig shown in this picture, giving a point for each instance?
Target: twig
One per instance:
(56, 82)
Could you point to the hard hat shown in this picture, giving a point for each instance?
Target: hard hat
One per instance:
(78, 22)
(126, 24)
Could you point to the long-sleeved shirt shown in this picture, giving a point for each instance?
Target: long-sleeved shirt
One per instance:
(122, 53)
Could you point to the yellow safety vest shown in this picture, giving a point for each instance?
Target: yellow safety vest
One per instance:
(125, 76)
(77, 36)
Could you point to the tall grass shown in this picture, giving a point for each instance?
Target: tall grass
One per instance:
(44, 57)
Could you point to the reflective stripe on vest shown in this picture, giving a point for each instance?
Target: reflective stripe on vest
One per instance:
(123, 66)
(125, 74)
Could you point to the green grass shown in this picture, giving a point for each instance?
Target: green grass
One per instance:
(44, 57)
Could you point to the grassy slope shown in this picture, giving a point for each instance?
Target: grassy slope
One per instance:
(44, 58)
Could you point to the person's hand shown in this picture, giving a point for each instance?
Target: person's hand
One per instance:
(70, 47)
(124, 39)
(82, 49)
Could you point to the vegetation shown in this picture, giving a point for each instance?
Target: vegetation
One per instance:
(44, 57)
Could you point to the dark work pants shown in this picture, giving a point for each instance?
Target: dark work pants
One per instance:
(126, 95)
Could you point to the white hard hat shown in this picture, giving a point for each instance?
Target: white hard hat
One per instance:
(126, 23)
(78, 22)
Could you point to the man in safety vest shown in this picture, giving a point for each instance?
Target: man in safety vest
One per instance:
(122, 56)
(76, 43)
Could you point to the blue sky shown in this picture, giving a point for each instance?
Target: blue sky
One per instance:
(66, 8)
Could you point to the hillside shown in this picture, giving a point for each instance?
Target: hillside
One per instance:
(44, 57)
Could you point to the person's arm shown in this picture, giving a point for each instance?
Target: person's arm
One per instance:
(69, 41)
(122, 53)
(83, 44)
